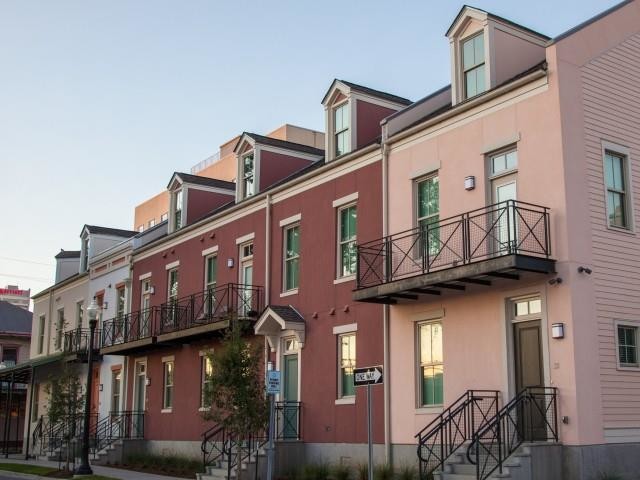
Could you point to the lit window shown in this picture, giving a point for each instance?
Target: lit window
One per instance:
(616, 182)
(346, 362)
(205, 380)
(341, 129)
(347, 252)
(167, 397)
(248, 175)
(473, 65)
(528, 307)
(431, 364)
(291, 257)
(628, 346)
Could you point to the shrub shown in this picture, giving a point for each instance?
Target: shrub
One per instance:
(408, 472)
(363, 471)
(383, 472)
(315, 471)
(341, 472)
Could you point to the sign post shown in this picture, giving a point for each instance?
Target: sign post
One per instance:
(273, 388)
(367, 376)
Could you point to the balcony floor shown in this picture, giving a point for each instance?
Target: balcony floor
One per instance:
(193, 332)
(487, 273)
(128, 347)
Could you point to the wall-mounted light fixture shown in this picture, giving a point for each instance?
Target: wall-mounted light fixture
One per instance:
(555, 281)
(230, 262)
(100, 387)
(470, 182)
(147, 381)
(557, 330)
(152, 290)
(586, 270)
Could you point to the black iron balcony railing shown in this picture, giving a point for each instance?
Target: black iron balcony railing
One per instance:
(77, 341)
(287, 420)
(221, 303)
(130, 327)
(225, 302)
(510, 227)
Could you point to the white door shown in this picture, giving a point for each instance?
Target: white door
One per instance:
(247, 282)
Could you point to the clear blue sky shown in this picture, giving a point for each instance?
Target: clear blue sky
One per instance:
(101, 101)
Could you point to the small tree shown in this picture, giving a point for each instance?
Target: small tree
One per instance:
(65, 402)
(235, 388)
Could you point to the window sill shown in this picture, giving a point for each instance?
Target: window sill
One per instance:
(632, 368)
(289, 292)
(166, 410)
(346, 401)
(348, 278)
(435, 410)
(623, 230)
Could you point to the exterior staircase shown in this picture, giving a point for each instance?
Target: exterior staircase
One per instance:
(458, 467)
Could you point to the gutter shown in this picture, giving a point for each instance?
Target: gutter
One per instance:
(469, 104)
(385, 311)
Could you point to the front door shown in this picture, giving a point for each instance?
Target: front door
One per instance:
(139, 396)
(290, 396)
(504, 189)
(246, 295)
(529, 374)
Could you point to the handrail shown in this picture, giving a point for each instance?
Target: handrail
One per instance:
(222, 445)
(453, 427)
(529, 416)
(509, 227)
(115, 426)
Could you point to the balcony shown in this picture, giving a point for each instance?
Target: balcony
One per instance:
(182, 319)
(501, 243)
(76, 343)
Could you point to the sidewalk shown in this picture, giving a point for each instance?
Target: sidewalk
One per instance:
(98, 470)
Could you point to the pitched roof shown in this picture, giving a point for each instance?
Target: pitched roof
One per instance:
(14, 319)
(117, 232)
(68, 254)
(204, 181)
(495, 17)
(588, 22)
(275, 142)
(287, 313)
(369, 91)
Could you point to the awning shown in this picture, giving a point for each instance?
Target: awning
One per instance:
(276, 319)
(21, 373)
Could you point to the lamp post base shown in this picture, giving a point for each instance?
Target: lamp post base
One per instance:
(84, 469)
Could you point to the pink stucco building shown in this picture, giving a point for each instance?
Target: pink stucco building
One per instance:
(511, 251)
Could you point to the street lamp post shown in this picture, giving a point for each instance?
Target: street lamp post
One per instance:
(85, 468)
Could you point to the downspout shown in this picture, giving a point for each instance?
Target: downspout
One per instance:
(385, 311)
(267, 270)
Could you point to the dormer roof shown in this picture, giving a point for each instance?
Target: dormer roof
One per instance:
(181, 177)
(114, 232)
(68, 254)
(479, 14)
(350, 86)
(253, 138)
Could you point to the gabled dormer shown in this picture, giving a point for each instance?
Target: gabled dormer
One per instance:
(353, 114)
(95, 239)
(487, 50)
(192, 196)
(263, 161)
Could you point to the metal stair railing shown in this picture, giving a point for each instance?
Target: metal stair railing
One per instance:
(221, 445)
(531, 416)
(116, 426)
(453, 427)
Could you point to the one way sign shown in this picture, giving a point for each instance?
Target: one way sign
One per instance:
(367, 376)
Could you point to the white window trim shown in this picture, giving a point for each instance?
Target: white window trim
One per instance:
(345, 401)
(172, 265)
(166, 360)
(245, 238)
(144, 276)
(417, 366)
(209, 251)
(626, 153)
(416, 192)
(289, 293)
(346, 278)
(339, 210)
(630, 324)
(347, 199)
(292, 219)
(348, 328)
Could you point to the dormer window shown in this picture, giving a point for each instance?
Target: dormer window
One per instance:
(177, 216)
(248, 175)
(341, 126)
(84, 265)
(473, 65)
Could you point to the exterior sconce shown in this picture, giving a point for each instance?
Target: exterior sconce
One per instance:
(469, 182)
(230, 262)
(101, 387)
(152, 290)
(147, 381)
(105, 305)
(557, 330)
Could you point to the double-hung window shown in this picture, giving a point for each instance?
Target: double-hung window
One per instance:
(172, 296)
(342, 138)
(430, 363)
(177, 216)
(346, 364)
(116, 382)
(248, 175)
(473, 65)
(210, 274)
(627, 345)
(617, 189)
(428, 213)
(291, 257)
(120, 302)
(41, 322)
(347, 252)
(59, 329)
(167, 391)
(205, 381)
(79, 314)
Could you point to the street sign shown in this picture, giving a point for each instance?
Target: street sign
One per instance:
(367, 376)
(273, 382)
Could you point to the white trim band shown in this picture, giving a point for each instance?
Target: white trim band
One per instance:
(292, 219)
(209, 251)
(245, 238)
(144, 276)
(348, 328)
(171, 265)
(338, 202)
